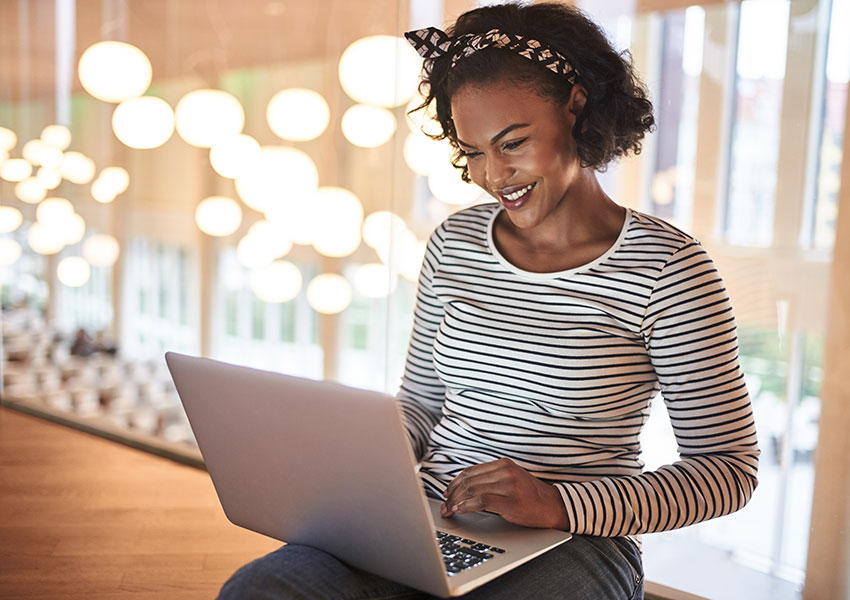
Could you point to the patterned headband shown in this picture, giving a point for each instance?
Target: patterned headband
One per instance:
(434, 43)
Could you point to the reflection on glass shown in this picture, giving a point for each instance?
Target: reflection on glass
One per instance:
(835, 102)
(276, 336)
(158, 287)
(677, 108)
(762, 48)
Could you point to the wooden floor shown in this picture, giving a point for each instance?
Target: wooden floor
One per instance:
(83, 517)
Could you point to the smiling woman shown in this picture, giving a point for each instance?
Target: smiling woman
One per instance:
(546, 322)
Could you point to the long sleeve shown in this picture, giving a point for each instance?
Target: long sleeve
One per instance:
(421, 395)
(690, 335)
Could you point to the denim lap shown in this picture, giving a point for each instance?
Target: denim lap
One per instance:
(584, 568)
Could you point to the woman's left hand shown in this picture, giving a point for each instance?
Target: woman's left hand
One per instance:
(504, 488)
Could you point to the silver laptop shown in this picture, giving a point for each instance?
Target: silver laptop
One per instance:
(317, 463)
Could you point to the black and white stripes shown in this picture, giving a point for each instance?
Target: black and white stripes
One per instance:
(556, 372)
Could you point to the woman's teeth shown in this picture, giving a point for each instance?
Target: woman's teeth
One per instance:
(519, 193)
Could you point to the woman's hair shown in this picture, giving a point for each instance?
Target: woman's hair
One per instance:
(616, 114)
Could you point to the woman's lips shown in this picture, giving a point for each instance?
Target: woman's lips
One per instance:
(515, 201)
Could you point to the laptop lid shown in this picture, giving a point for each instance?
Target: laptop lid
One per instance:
(315, 463)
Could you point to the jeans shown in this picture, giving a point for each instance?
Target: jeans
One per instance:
(584, 568)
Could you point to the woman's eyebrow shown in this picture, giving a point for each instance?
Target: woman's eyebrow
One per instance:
(499, 135)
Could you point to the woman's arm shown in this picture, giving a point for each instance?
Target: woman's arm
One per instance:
(690, 334)
(422, 394)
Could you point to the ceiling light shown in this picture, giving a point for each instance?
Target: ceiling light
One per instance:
(218, 216)
(368, 126)
(329, 293)
(381, 70)
(73, 271)
(114, 71)
(298, 114)
(101, 250)
(206, 116)
(143, 123)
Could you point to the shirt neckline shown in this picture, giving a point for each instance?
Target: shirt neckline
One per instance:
(555, 274)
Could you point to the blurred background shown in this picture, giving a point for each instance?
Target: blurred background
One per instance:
(241, 180)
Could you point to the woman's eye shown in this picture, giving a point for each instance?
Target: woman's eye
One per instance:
(514, 144)
(470, 154)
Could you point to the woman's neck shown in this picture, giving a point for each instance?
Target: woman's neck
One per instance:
(585, 216)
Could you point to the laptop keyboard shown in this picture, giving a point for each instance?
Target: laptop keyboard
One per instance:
(461, 553)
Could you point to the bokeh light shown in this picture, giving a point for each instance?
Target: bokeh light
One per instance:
(218, 216)
(114, 71)
(329, 293)
(298, 114)
(73, 271)
(101, 250)
(143, 123)
(279, 281)
(207, 116)
(381, 70)
(368, 126)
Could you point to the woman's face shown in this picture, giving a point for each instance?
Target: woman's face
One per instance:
(518, 146)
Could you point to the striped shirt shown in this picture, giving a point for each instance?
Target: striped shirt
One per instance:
(556, 371)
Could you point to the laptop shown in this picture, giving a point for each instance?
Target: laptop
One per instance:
(329, 466)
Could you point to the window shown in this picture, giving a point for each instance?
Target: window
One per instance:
(153, 320)
(677, 108)
(760, 68)
(276, 336)
(832, 137)
(718, 77)
(23, 281)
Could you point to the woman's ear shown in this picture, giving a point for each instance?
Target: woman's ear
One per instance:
(578, 98)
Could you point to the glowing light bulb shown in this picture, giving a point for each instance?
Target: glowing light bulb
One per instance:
(101, 250)
(232, 156)
(279, 174)
(10, 252)
(54, 211)
(329, 293)
(114, 71)
(278, 282)
(8, 139)
(368, 126)
(298, 114)
(77, 167)
(10, 219)
(30, 190)
(73, 271)
(15, 169)
(342, 218)
(57, 136)
(206, 116)
(381, 70)
(143, 123)
(218, 216)
(44, 240)
(445, 183)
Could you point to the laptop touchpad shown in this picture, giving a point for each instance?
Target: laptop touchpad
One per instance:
(456, 521)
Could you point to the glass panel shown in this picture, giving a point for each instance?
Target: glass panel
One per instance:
(231, 312)
(677, 108)
(835, 103)
(287, 322)
(156, 286)
(258, 319)
(760, 68)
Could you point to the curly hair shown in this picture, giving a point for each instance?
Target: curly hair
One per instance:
(617, 112)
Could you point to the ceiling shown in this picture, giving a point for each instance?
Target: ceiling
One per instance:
(184, 37)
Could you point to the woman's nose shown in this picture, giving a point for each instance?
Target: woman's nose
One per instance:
(498, 171)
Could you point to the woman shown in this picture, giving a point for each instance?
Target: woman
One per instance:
(546, 322)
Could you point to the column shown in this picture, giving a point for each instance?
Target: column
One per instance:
(828, 568)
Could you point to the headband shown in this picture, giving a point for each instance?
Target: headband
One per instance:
(433, 43)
